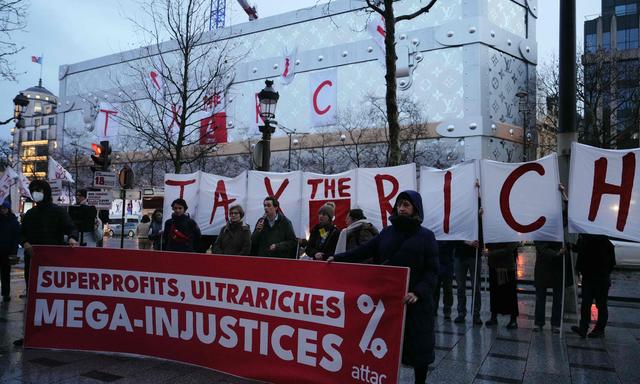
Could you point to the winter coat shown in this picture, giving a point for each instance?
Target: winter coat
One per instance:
(142, 230)
(281, 234)
(446, 250)
(361, 235)
(9, 235)
(502, 255)
(325, 244)
(234, 239)
(548, 269)
(596, 257)
(154, 234)
(181, 234)
(415, 247)
(47, 224)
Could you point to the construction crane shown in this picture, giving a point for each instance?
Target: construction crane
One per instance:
(218, 12)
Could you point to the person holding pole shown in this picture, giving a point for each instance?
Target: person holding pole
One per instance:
(548, 274)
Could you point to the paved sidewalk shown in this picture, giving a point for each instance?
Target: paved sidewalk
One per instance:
(464, 353)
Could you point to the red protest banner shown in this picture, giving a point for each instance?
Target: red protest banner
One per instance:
(282, 321)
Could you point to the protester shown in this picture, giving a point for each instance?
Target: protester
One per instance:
(596, 259)
(44, 224)
(155, 229)
(446, 250)
(142, 233)
(93, 238)
(502, 282)
(466, 259)
(9, 236)
(273, 235)
(359, 230)
(407, 244)
(548, 274)
(235, 236)
(324, 235)
(180, 233)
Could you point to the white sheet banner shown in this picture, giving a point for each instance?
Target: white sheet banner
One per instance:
(217, 194)
(57, 171)
(289, 66)
(23, 186)
(323, 97)
(6, 181)
(319, 189)
(185, 186)
(604, 197)
(377, 189)
(107, 122)
(450, 201)
(287, 189)
(521, 201)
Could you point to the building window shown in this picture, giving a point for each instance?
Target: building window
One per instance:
(29, 151)
(36, 122)
(52, 120)
(606, 41)
(30, 136)
(590, 43)
(42, 150)
(37, 107)
(627, 39)
(44, 134)
(626, 9)
(47, 109)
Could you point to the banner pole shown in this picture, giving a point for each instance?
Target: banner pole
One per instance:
(564, 276)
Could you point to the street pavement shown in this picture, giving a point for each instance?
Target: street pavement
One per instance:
(464, 353)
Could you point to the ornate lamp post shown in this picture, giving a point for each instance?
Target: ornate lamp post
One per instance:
(268, 99)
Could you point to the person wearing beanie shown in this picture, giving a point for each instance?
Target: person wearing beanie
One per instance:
(324, 235)
(181, 233)
(9, 235)
(235, 237)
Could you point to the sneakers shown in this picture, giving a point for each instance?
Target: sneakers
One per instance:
(459, 319)
(581, 332)
(492, 322)
(596, 333)
(512, 325)
(537, 328)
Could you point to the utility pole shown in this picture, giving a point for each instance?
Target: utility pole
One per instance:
(567, 88)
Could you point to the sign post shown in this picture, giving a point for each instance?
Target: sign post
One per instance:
(125, 178)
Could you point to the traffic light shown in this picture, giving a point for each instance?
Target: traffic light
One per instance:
(101, 157)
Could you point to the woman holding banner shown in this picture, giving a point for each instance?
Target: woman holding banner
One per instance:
(502, 282)
(181, 233)
(406, 243)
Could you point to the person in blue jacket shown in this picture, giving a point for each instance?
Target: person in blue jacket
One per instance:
(406, 243)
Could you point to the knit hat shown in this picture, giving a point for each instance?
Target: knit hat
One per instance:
(329, 209)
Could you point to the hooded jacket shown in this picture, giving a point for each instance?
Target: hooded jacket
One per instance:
(9, 234)
(47, 223)
(407, 244)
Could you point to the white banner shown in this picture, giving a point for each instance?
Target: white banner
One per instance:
(377, 189)
(521, 201)
(185, 186)
(6, 181)
(603, 196)
(289, 66)
(319, 189)
(217, 194)
(287, 189)
(323, 97)
(57, 171)
(450, 201)
(107, 122)
(23, 186)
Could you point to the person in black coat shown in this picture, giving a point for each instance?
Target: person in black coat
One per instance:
(9, 236)
(181, 233)
(596, 259)
(503, 283)
(446, 250)
(548, 274)
(407, 244)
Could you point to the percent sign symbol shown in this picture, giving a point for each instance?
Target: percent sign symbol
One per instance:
(377, 346)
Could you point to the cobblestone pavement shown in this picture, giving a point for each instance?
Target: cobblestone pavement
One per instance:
(464, 353)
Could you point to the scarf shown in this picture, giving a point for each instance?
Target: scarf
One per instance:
(341, 247)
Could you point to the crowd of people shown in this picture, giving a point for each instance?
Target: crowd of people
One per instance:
(433, 265)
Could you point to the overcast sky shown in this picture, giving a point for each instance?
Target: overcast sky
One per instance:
(69, 31)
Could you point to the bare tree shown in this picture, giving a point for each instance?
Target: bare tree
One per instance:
(179, 80)
(5, 154)
(386, 9)
(12, 18)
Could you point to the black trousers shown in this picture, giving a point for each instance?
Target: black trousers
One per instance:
(598, 290)
(5, 278)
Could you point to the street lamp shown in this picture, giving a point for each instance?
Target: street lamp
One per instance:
(20, 102)
(523, 108)
(268, 99)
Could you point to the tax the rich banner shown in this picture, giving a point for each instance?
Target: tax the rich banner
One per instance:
(282, 321)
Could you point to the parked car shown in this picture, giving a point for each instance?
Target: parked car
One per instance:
(627, 253)
(114, 228)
